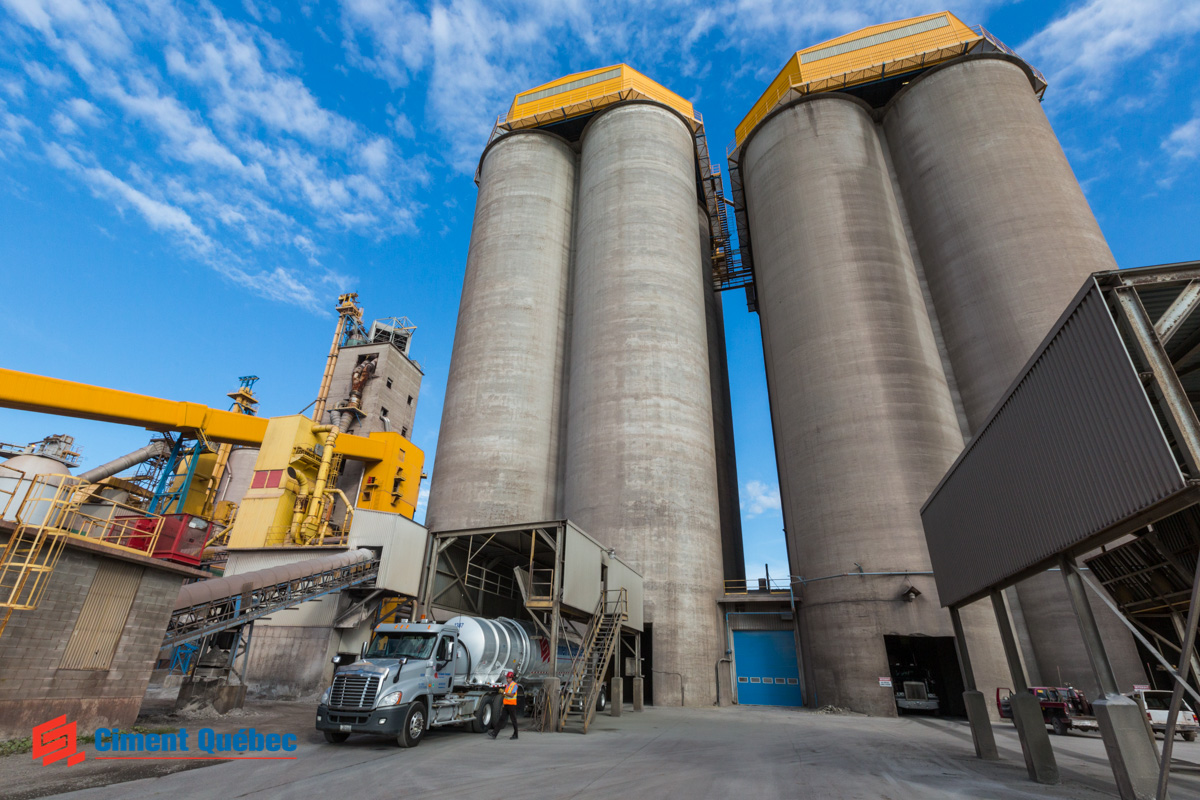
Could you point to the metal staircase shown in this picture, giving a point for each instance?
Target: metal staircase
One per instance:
(582, 688)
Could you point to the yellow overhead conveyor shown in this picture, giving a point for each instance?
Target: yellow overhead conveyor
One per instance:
(394, 463)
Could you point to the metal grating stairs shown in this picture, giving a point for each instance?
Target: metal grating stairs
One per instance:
(581, 690)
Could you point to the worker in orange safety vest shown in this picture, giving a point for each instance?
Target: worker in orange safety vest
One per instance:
(508, 708)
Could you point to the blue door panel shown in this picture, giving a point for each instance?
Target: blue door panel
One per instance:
(766, 668)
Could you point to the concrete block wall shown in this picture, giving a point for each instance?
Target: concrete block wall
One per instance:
(32, 687)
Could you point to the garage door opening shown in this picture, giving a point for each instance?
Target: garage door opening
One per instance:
(765, 666)
(925, 675)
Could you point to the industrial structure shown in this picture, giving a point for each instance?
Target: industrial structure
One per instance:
(1088, 464)
(912, 229)
(908, 230)
(590, 384)
(228, 491)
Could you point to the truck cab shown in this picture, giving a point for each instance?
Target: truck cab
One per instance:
(1064, 708)
(1157, 703)
(403, 684)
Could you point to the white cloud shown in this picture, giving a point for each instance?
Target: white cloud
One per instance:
(11, 128)
(374, 154)
(1088, 49)
(82, 110)
(160, 216)
(220, 141)
(64, 124)
(45, 77)
(1184, 142)
(759, 498)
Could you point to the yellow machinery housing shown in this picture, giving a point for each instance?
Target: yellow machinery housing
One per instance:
(864, 56)
(585, 92)
(297, 459)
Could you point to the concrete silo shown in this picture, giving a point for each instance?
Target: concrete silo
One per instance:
(581, 384)
(1004, 230)
(641, 460)
(864, 422)
(901, 185)
(498, 450)
(1007, 238)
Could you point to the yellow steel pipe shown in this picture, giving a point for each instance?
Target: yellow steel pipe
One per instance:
(316, 501)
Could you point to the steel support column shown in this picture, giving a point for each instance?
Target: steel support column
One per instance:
(977, 712)
(1026, 710)
(1130, 754)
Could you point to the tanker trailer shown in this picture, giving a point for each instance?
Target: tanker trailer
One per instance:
(414, 676)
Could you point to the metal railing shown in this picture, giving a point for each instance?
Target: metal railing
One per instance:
(17, 476)
(759, 586)
(55, 508)
(1002, 47)
(591, 661)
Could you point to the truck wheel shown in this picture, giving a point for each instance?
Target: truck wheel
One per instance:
(1061, 728)
(336, 737)
(483, 716)
(602, 700)
(1190, 736)
(413, 729)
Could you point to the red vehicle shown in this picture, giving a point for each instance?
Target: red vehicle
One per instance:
(1063, 708)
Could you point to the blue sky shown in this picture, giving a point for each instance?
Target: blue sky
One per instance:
(184, 189)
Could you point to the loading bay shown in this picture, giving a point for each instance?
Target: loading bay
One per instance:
(662, 752)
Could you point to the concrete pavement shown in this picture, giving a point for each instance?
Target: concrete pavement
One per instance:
(678, 753)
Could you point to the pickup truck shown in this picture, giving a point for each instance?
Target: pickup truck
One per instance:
(1157, 703)
(1064, 708)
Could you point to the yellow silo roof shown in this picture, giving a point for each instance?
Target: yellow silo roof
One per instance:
(583, 92)
(863, 56)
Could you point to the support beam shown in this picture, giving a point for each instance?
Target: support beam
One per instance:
(1027, 712)
(1130, 754)
(1182, 307)
(1181, 418)
(1188, 646)
(977, 711)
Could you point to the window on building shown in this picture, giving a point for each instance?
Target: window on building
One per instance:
(389, 383)
(410, 399)
(404, 432)
(383, 412)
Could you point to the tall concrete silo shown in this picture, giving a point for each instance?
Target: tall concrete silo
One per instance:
(498, 450)
(641, 463)
(863, 415)
(1004, 230)
(1007, 238)
(950, 271)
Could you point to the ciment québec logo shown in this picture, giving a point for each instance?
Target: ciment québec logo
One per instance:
(56, 740)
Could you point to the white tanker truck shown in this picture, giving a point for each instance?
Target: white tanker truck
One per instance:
(420, 675)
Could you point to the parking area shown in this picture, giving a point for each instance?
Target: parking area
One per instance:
(688, 753)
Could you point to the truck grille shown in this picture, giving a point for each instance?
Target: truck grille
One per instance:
(915, 690)
(353, 692)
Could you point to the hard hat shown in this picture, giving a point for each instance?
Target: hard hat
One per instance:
(511, 674)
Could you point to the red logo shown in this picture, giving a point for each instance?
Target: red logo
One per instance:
(54, 741)
(544, 646)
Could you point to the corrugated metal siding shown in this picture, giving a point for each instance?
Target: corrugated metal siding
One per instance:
(760, 621)
(102, 618)
(1073, 449)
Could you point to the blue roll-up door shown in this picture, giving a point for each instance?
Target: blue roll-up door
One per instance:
(765, 663)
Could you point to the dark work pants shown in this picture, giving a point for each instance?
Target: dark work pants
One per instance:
(506, 711)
